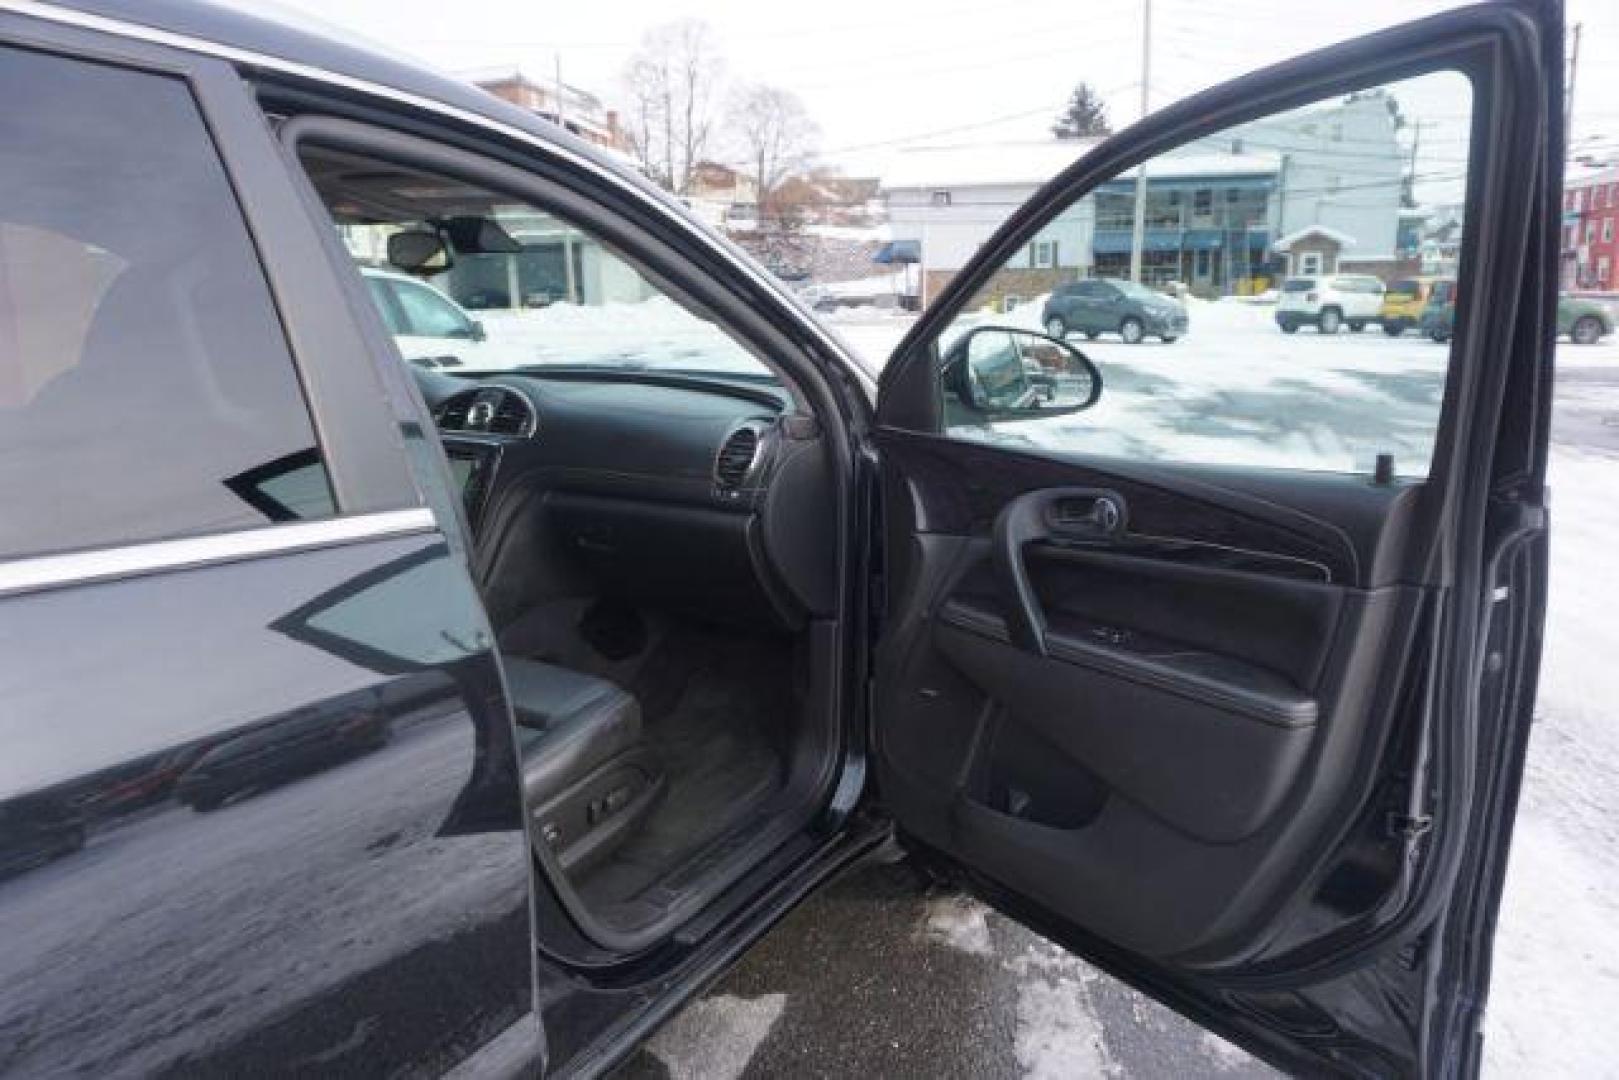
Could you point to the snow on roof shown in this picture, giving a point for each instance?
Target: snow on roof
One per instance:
(1581, 176)
(982, 164)
(1186, 166)
(1343, 239)
(1033, 163)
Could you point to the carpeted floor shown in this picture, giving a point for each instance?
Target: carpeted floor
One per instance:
(717, 707)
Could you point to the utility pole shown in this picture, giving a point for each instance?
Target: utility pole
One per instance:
(1138, 228)
(569, 284)
(1568, 94)
(1411, 170)
(558, 91)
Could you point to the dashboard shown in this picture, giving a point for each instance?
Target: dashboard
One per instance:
(711, 495)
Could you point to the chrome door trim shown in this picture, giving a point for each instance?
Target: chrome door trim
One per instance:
(40, 572)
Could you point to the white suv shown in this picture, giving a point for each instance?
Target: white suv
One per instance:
(1329, 301)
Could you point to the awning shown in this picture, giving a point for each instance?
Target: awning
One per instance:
(899, 251)
(1117, 241)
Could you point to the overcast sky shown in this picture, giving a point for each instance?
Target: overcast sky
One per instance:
(877, 76)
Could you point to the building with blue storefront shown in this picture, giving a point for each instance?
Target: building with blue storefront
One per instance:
(1207, 224)
(1312, 191)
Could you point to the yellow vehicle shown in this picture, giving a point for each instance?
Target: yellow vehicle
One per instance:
(1403, 302)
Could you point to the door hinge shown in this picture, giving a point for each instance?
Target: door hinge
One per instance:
(1409, 826)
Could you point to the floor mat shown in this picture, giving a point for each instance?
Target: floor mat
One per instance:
(717, 708)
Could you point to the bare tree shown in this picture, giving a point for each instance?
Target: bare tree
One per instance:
(775, 133)
(672, 83)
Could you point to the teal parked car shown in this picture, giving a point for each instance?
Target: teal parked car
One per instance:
(1585, 322)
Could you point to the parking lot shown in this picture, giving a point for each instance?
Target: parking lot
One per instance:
(943, 987)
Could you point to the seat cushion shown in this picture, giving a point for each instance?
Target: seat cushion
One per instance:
(568, 724)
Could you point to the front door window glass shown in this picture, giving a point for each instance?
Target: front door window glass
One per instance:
(1247, 321)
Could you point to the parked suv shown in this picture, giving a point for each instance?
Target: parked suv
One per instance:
(1583, 320)
(1329, 301)
(1403, 303)
(1101, 306)
(524, 699)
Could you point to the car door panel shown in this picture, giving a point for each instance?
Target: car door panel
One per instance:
(1207, 723)
(1199, 680)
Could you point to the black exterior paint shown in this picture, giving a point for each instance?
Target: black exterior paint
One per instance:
(352, 907)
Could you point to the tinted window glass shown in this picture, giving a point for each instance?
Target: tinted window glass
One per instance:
(146, 388)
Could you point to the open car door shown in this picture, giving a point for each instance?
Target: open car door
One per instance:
(1211, 638)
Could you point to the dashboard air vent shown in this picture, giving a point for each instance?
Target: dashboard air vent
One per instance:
(452, 415)
(512, 416)
(489, 410)
(735, 459)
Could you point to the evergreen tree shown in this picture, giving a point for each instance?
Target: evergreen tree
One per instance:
(1084, 117)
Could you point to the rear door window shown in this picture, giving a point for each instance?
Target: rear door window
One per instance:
(146, 386)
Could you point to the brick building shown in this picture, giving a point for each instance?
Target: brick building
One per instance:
(581, 111)
(1590, 251)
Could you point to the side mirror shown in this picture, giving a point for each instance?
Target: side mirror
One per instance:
(1007, 373)
(418, 251)
(478, 331)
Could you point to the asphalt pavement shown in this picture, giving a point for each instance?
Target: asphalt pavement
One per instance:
(886, 975)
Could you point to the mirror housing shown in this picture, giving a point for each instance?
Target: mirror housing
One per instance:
(1001, 373)
(474, 234)
(478, 331)
(418, 251)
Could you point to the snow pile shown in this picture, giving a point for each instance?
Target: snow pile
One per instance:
(875, 287)
(1555, 982)
(652, 333)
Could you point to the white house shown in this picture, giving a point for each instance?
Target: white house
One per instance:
(1342, 173)
(944, 201)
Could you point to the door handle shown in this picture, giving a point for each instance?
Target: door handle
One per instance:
(1092, 514)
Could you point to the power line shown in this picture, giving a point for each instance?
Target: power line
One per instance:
(902, 140)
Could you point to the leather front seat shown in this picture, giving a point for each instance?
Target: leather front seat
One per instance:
(586, 777)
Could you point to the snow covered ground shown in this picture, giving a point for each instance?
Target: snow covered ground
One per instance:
(1237, 391)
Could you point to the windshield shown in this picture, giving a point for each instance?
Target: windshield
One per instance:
(1137, 291)
(471, 281)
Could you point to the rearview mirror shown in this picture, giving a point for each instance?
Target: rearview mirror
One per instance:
(1008, 373)
(472, 234)
(418, 251)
